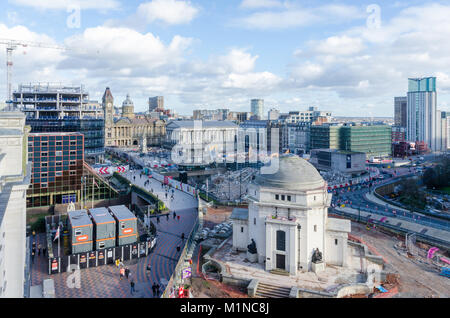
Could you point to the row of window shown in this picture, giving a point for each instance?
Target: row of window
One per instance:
(282, 197)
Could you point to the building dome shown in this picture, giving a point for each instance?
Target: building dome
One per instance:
(294, 173)
(127, 101)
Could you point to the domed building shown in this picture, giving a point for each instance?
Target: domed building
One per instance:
(130, 130)
(128, 107)
(286, 226)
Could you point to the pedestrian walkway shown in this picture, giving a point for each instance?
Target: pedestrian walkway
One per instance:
(104, 282)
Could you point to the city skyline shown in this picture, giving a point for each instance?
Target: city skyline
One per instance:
(283, 52)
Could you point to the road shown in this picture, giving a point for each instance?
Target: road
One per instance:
(357, 197)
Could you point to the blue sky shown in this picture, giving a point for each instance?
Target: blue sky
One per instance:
(349, 57)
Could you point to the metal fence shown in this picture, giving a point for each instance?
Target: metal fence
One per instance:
(99, 257)
(176, 278)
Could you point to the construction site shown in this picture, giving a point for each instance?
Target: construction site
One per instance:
(410, 269)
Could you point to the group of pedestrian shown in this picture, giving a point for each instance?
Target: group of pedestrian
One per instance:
(37, 249)
(125, 272)
(156, 289)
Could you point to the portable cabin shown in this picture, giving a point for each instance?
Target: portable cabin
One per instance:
(104, 228)
(80, 231)
(127, 232)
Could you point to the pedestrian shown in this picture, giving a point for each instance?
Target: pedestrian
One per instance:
(127, 272)
(154, 289)
(134, 178)
(44, 251)
(174, 215)
(132, 286)
(117, 263)
(157, 219)
(32, 256)
(182, 236)
(149, 268)
(39, 250)
(178, 217)
(178, 248)
(167, 216)
(121, 273)
(157, 289)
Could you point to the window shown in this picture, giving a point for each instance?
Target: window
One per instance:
(58, 173)
(281, 240)
(335, 242)
(282, 197)
(314, 198)
(242, 229)
(315, 228)
(254, 221)
(72, 173)
(44, 164)
(101, 244)
(277, 197)
(59, 143)
(289, 198)
(44, 185)
(73, 153)
(44, 154)
(122, 225)
(44, 144)
(73, 143)
(58, 163)
(77, 232)
(72, 162)
(58, 153)
(44, 175)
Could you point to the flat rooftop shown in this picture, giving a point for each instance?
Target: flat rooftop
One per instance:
(101, 215)
(121, 212)
(79, 218)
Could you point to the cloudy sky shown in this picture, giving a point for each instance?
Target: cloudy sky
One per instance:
(349, 57)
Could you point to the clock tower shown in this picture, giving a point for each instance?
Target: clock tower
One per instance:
(108, 109)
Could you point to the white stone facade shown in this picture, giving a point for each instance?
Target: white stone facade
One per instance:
(14, 181)
(288, 219)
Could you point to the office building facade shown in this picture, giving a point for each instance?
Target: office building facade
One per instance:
(62, 108)
(400, 111)
(257, 108)
(57, 168)
(155, 103)
(421, 112)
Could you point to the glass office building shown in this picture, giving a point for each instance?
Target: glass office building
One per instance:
(422, 112)
(92, 129)
(57, 168)
(374, 140)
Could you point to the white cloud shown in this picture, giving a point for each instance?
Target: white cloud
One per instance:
(167, 11)
(374, 64)
(64, 4)
(295, 16)
(339, 45)
(253, 4)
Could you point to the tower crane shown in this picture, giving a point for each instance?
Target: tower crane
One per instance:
(12, 45)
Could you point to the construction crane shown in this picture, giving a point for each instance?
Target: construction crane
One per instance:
(12, 45)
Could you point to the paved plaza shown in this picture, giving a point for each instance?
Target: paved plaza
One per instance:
(103, 281)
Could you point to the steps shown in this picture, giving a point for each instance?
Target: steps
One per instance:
(272, 291)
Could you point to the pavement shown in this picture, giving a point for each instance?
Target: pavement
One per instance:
(103, 281)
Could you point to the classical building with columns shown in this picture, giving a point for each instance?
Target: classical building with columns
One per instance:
(287, 220)
(130, 130)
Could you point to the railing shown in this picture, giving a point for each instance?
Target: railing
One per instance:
(360, 218)
(176, 276)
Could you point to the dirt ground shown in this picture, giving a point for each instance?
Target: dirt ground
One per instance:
(202, 288)
(418, 279)
(216, 215)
